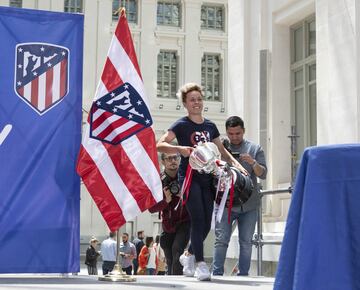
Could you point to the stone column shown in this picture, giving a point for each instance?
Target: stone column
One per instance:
(337, 71)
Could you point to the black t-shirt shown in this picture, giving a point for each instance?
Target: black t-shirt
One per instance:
(139, 243)
(189, 133)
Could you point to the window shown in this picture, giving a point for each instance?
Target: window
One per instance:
(131, 9)
(303, 87)
(210, 76)
(212, 17)
(15, 3)
(73, 6)
(167, 74)
(168, 13)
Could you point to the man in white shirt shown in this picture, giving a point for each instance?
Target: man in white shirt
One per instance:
(127, 254)
(108, 253)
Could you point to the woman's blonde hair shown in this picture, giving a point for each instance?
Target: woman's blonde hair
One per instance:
(189, 87)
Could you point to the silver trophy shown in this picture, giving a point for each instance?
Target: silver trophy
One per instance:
(204, 158)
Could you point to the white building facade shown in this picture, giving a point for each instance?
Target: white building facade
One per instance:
(294, 64)
(288, 67)
(293, 70)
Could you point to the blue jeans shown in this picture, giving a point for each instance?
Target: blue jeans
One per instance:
(107, 266)
(127, 270)
(246, 226)
(150, 271)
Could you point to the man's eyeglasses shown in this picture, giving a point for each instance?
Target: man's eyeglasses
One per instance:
(172, 158)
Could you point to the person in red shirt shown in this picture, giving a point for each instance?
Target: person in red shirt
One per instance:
(175, 218)
(147, 258)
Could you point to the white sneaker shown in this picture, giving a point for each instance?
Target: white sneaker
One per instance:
(202, 272)
(188, 263)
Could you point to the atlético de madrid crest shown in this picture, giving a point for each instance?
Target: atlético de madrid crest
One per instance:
(41, 74)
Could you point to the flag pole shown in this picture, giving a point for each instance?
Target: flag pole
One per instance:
(117, 274)
(120, 10)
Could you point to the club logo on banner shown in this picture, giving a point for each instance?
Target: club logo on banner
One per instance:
(41, 74)
(118, 115)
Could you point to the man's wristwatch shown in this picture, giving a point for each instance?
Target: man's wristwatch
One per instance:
(254, 164)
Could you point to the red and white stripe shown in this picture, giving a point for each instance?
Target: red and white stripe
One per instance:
(48, 88)
(112, 128)
(122, 179)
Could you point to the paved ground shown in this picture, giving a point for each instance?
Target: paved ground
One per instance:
(81, 281)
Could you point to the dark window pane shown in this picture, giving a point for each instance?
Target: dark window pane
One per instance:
(73, 6)
(312, 99)
(15, 3)
(167, 74)
(312, 38)
(312, 72)
(168, 13)
(298, 44)
(129, 5)
(212, 17)
(299, 78)
(210, 76)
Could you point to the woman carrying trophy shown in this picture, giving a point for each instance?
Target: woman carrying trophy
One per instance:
(194, 131)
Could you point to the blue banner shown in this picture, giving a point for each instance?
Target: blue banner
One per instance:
(321, 245)
(40, 134)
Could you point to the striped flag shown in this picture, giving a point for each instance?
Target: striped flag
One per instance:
(118, 159)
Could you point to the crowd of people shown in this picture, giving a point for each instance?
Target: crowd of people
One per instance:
(135, 258)
(188, 201)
